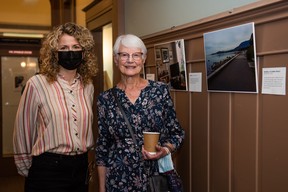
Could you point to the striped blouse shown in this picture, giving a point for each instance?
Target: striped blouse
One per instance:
(53, 118)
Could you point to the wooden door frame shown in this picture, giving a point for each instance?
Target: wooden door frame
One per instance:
(101, 13)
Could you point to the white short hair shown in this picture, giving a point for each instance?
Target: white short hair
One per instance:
(130, 41)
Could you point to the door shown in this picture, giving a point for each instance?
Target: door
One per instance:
(18, 62)
(15, 73)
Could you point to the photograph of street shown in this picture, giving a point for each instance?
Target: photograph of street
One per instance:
(230, 58)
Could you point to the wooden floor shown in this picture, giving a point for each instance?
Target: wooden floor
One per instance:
(16, 184)
(12, 184)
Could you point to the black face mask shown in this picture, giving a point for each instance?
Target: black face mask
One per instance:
(70, 60)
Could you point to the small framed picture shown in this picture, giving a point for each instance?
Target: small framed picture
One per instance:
(157, 55)
(171, 55)
(165, 55)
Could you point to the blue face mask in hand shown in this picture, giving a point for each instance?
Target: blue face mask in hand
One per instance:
(70, 60)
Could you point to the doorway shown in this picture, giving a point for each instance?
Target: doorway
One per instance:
(18, 62)
(15, 73)
(107, 56)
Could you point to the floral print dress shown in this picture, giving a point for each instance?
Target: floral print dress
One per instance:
(152, 111)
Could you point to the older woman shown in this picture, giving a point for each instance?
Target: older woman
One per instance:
(53, 126)
(149, 107)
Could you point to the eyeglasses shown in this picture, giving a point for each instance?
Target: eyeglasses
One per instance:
(125, 56)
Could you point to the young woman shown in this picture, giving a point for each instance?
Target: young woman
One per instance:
(53, 126)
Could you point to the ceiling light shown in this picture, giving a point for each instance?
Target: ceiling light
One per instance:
(29, 35)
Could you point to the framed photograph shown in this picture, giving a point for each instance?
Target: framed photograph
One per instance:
(157, 55)
(171, 55)
(171, 69)
(230, 59)
(165, 55)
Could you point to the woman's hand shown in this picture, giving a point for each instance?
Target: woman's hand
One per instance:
(160, 152)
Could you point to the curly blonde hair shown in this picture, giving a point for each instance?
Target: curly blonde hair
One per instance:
(48, 53)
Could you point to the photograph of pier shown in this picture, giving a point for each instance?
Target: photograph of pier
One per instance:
(230, 58)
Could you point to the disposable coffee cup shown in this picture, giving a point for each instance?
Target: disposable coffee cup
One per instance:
(150, 141)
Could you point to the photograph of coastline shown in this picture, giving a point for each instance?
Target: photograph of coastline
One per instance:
(230, 58)
(171, 69)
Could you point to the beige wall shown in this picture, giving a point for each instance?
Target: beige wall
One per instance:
(33, 13)
(25, 12)
(80, 15)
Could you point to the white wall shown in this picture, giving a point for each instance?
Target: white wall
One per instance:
(143, 17)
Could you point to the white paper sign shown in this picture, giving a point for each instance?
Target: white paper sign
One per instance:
(195, 82)
(150, 76)
(274, 81)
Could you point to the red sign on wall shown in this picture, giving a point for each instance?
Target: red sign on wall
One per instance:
(20, 52)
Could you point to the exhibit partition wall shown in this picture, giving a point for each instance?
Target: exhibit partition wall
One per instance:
(236, 131)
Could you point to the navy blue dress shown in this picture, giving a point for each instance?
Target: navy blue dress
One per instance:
(152, 111)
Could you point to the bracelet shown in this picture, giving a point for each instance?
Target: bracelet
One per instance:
(167, 150)
(169, 147)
